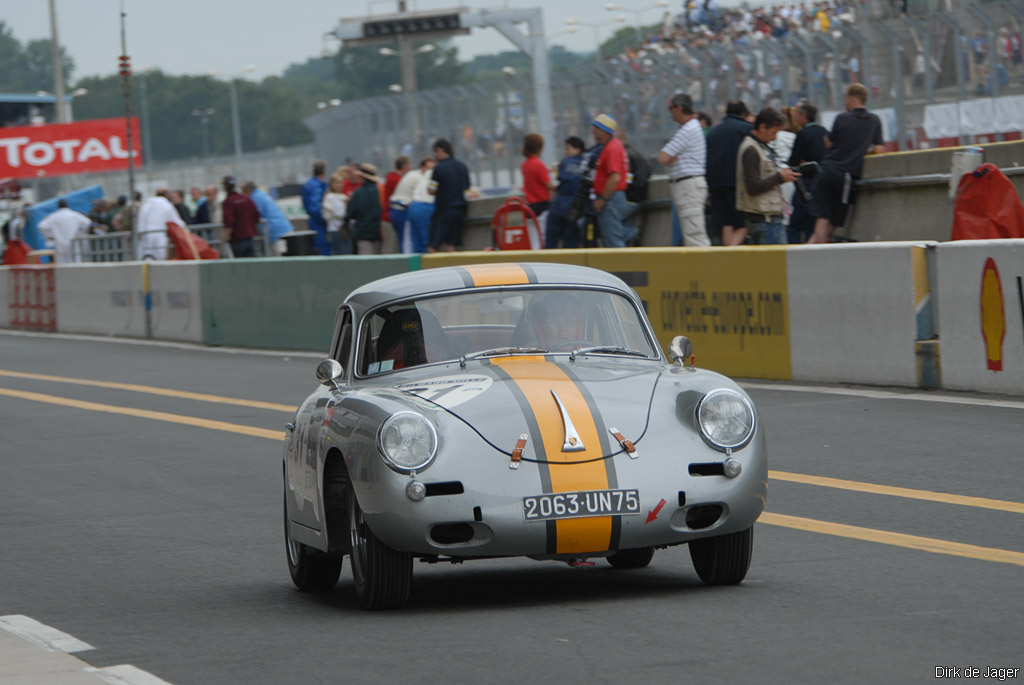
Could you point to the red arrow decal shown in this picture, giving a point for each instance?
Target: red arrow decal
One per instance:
(651, 515)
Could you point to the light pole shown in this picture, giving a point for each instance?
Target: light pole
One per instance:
(68, 112)
(407, 55)
(236, 125)
(58, 66)
(204, 115)
(573, 23)
(612, 7)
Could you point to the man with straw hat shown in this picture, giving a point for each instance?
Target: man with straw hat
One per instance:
(610, 180)
(364, 211)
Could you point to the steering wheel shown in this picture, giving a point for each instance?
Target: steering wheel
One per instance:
(571, 344)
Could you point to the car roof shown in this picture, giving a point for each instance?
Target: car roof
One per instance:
(416, 283)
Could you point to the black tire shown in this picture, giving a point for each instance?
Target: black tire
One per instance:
(382, 576)
(723, 560)
(311, 570)
(632, 558)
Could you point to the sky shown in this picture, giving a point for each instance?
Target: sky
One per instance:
(199, 36)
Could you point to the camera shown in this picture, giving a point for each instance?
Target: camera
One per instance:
(807, 170)
(582, 197)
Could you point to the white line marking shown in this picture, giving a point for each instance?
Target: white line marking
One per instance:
(164, 343)
(126, 674)
(42, 635)
(888, 394)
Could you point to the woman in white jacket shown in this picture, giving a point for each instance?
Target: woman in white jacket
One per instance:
(334, 211)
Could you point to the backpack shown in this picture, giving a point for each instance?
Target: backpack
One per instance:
(639, 173)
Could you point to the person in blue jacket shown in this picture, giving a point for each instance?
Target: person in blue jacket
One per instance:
(559, 228)
(313, 192)
(278, 224)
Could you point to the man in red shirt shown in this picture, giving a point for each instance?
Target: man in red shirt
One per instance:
(610, 181)
(241, 220)
(396, 215)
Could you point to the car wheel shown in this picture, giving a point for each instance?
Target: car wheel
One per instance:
(723, 560)
(382, 576)
(632, 558)
(311, 570)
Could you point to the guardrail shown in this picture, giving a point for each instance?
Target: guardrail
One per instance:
(922, 179)
(117, 246)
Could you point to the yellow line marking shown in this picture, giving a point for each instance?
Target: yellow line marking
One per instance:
(963, 500)
(932, 545)
(884, 537)
(146, 414)
(182, 394)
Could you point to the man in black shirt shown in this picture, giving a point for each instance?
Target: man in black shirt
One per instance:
(723, 144)
(855, 133)
(449, 185)
(809, 146)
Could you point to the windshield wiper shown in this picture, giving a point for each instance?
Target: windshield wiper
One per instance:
(493, 352)
(613, 349)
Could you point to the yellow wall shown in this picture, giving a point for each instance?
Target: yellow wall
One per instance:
(731, 302)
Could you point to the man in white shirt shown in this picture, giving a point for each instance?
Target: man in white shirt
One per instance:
(686, 156)
(61, 228)
(154, 215)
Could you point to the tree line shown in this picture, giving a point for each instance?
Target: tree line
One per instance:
(271, 110)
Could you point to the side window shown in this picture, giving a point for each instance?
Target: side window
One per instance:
(341, 350)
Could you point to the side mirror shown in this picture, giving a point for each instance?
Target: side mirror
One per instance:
(680, 349)
(328, 372)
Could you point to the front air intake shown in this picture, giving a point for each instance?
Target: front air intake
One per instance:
(451, 533)
(703, 516)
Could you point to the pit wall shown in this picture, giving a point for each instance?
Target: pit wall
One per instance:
(848, 313)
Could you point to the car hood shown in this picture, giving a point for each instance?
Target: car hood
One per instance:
(503, 399)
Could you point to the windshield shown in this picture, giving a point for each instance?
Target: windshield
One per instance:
(479, 324)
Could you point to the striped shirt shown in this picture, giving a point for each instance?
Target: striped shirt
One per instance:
(690, 149)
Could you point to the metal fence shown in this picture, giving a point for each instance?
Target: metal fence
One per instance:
(117, 246)
(907, 61)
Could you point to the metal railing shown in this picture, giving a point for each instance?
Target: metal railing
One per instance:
(117, 246)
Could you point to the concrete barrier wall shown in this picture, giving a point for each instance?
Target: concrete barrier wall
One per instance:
(101, 299)
(981, 315)
(5, 297)
(853, 312)
(287, 303)
(841, 313)
(177, 301)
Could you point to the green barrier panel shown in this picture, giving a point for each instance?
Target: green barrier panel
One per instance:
(288, 303)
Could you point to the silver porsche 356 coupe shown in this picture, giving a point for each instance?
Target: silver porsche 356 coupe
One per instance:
(513, 410)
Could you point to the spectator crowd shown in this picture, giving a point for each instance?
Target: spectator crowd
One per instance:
(773, 177)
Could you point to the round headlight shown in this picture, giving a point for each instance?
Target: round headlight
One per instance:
(726, 419)
(407, 441)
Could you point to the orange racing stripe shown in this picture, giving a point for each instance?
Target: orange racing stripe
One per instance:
(536, 378)
(497, 274)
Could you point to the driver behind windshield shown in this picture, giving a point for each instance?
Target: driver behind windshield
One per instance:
(557, 320)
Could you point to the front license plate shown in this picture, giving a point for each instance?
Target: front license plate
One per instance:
(572, 505)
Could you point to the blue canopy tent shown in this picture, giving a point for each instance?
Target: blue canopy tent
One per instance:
(79, 200)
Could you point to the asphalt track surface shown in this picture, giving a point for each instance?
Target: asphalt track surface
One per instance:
(160, 544)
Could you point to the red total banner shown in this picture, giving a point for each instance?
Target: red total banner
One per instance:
(58, 149)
